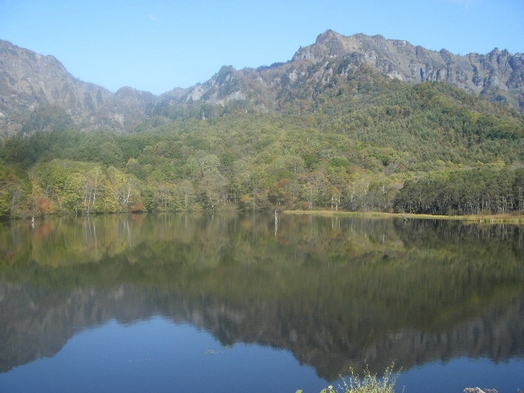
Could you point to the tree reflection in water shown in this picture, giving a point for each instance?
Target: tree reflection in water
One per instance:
(336, 292)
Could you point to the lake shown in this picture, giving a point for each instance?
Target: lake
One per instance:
(254, 303)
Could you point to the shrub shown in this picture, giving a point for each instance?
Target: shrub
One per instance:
(368, 383)
(371, 383)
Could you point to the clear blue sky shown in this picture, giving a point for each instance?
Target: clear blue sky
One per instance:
(157, 45)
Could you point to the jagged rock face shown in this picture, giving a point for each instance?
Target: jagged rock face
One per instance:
(401, 60)
(498, 76)
(29, 81)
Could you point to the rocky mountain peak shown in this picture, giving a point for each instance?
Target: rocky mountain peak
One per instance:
(329, 37)
(498, 75)
(328, 44)
(29, 81)
(34, 85)
(20, 59)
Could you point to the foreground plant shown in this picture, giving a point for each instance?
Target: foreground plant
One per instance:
(371, 383)
(368, 383)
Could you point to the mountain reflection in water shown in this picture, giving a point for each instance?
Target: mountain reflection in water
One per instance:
(338, 293)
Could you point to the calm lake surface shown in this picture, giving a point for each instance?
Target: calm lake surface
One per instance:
(222, 303)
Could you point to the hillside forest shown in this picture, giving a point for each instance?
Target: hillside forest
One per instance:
(361, 142)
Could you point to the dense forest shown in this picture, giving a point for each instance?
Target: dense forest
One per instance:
(363, 143)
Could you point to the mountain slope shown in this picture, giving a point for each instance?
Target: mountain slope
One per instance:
(477, 74)
(37, 93)
(497, 76)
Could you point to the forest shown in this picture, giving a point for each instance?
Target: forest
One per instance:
(366, 143)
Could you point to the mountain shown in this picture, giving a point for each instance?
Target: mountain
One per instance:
(37, 92)
(497, 76)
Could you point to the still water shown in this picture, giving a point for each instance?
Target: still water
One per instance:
(222, 303)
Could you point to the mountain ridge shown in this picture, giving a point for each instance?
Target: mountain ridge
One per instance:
(38, 93)
(30, 82)
(498, 75)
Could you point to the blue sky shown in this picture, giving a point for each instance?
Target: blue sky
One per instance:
(157, 45)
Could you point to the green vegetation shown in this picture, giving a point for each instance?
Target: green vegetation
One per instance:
(367, 383)
(371, 383)
(361, 142)
(465, 192)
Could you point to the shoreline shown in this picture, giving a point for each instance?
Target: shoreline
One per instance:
(480, 218)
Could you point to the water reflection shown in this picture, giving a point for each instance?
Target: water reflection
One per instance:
(158, 356)
(335, 292)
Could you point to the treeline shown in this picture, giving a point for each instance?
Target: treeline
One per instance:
(248, 164)
(485, 191)
(272, 171)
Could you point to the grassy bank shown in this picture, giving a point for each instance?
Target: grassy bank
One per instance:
(491, 218)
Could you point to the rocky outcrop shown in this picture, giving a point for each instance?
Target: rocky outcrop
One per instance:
(497, 75)
(31, 83)
(34, 87)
